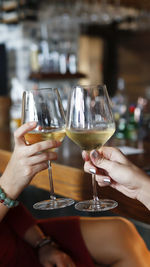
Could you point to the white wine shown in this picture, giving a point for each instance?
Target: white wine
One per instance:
(90, 139)
(49, 134)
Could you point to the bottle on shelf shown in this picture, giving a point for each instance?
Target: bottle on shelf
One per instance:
(54, 56)
(44, 54)
(141, 117)
(147, 113)
(34, 53)
(72, 58)
(63, 57)
(16, 100)
(131, 131)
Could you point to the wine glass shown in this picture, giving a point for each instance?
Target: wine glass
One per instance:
(44, 106)
(90, 123)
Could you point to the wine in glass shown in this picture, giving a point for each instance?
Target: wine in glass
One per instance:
(44, 106)
(90, 123)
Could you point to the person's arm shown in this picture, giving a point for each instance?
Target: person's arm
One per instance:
(48, 252)
(21, 221)
(24, 164)
(114, 169)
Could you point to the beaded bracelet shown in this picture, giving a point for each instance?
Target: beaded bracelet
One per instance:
(10, 203)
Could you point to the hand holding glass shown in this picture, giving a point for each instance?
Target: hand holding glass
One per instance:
(90, 123)
(44, 106)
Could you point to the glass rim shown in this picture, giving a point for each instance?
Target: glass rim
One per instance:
(90, 85)
(40, 89)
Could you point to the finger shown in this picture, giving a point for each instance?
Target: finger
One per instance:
(113, 154)
(71, 264)
(41, 146)
(66, 263)
(22, 130)
(45, 156)
(103, 180)
(116, 170)
(85, 155)
(64, 260)
(47, 264)
(39, 167)
(90, 168)
(100, 162)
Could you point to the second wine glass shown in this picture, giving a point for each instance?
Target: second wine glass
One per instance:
(90, 123)
(44, 106)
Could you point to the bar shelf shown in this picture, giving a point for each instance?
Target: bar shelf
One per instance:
(55, 76)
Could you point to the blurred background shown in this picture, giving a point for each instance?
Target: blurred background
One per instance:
(55, 43)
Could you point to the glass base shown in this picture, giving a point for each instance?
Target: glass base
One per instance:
(51, 204)
(94, 206)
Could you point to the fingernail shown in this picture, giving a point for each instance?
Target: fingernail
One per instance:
(83, 155)
(95, 154)
(92, 170)
(32, 123)
(58, 143)
(54, 143)
(107, 180)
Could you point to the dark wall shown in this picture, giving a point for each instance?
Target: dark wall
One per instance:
(3, 71)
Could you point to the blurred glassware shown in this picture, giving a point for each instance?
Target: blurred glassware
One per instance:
(59, 25)
(44, 48)
(105, 12)
(34, 52)
(120, 103)
(119, 100)
(16, 99)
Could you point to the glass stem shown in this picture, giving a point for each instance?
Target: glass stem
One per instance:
(95, 196)
(52, 196)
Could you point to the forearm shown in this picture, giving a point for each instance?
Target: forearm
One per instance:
(34, 235)
(3, 211)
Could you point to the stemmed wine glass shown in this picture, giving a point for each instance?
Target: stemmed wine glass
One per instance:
(90, 123)
(44, 106)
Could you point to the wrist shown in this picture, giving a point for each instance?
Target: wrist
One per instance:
(5, 200)
(34, 235)
(43, 241)
(44, 244)
(10, 190)
(36, 238)
(144, 193)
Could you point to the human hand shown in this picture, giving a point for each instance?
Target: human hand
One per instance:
(26, 161)
(113, 168)
(50, 256)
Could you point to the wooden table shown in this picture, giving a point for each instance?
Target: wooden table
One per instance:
(71, 181)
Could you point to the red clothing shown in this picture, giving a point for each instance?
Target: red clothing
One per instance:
(15, 252)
